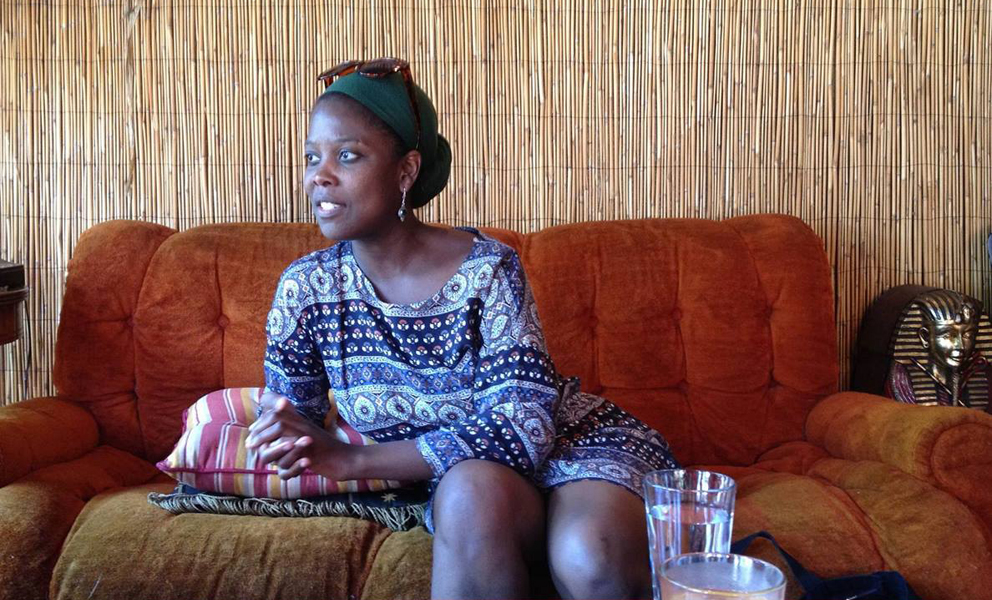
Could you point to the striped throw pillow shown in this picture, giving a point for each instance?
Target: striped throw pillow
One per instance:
(211, 455)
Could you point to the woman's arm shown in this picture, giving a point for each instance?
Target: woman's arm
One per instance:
(292, 364)
(399, 461)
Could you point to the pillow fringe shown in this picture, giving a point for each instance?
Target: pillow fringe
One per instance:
(397, 518)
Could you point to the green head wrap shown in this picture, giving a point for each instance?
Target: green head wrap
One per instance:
(388, 99)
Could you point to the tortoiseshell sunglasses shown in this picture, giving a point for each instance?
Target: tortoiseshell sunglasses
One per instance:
(379, 67)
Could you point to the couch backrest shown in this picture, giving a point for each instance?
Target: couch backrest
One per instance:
(719, 334)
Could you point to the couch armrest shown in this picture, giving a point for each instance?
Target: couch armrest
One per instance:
(38, 511)
(41, 432)
(951, 448)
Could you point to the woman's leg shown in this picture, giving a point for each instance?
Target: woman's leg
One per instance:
(598, 541)
(488, 528)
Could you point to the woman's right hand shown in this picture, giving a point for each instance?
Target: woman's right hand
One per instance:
(287, 439)
(267, 401)
(295, 445)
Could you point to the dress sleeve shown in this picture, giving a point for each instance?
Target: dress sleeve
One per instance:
(293, 366)
(516, 387)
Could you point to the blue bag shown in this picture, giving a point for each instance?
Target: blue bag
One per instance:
(882, 585)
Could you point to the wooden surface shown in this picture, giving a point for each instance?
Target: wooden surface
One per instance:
(870, 121)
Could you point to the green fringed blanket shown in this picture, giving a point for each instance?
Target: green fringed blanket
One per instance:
(398, 509)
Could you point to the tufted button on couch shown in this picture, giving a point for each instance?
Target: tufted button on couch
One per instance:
(719, 334)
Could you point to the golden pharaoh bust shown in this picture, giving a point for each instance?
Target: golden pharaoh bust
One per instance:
(936, 353)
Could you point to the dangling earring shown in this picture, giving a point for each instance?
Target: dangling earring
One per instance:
(402, 212)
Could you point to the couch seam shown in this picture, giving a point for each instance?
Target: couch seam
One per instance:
(870, 525)
(596, 284)
(367, 570)
(770, 304)
(873, 528)
(220, 311)
(134, 341)
(695, 437)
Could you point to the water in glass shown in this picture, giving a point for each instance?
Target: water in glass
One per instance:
(699, 528)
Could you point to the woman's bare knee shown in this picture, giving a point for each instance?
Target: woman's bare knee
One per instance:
(488, 525)
(597, 543)
(494, 503)
(488, 497)
(593, 561)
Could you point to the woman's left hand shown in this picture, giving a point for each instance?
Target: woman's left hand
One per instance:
(291, 442)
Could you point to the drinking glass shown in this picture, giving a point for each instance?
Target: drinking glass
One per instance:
(708, 576)
(688, 510)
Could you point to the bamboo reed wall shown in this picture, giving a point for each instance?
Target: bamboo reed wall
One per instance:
(871, 121)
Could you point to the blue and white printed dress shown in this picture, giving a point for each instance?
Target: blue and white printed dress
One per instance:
(466, 372)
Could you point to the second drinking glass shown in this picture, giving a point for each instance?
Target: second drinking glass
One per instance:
(688, 511)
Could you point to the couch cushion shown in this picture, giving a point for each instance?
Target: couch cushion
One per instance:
(199, 323)
(37, 511)
(94, 352)
(817, 522)
(840, 517)
(911, 523)
(40, 432)
(207, 556)
(718, 334)
(947, 447)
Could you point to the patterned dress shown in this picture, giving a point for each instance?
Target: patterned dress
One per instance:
(466, 372)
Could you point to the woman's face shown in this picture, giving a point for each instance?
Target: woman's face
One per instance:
(353, 175)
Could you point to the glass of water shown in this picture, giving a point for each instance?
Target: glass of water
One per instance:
(702, 576)
(688, 510)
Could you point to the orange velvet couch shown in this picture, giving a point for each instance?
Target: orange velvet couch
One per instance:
(719, 334)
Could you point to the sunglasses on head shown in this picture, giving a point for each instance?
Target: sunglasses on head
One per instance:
(380, 67)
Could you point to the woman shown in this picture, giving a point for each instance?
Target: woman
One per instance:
(429, 339)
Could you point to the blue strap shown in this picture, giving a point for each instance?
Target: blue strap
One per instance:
(883, 584)
(807, 580)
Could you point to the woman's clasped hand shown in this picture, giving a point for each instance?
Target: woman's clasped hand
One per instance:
(293, 444)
